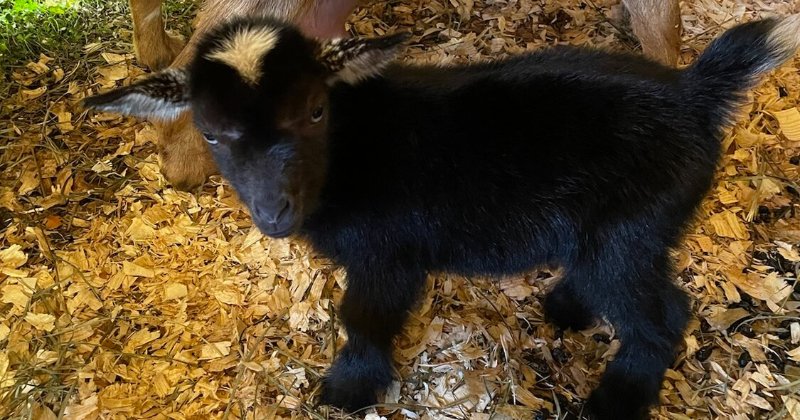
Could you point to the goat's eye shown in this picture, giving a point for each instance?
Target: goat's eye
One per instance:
(210, 139)
(316, 114)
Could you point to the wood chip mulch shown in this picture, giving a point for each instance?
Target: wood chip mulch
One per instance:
(121, 297)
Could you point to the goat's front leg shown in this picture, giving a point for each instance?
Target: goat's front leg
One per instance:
(373, 310)
(153, 46)
(185, 160)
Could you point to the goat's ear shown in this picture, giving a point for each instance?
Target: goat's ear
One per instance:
(354, 59)
(162, 96)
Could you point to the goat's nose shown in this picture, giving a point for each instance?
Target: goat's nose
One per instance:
(277, 211)
(274, 218)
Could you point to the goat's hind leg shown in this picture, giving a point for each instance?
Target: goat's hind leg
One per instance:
(564, 308)
(153, 46)
(657, 25)
(373, 310)
(649, 313)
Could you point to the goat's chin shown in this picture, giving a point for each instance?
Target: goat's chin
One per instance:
(281, 235)
(278, 234)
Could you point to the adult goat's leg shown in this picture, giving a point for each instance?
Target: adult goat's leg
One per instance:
(649, 313)
(373, 310)
(657, 25)
(325, 18)
(185, 160)
(153, 46)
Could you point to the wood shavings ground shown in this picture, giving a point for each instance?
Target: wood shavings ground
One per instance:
(123, 298)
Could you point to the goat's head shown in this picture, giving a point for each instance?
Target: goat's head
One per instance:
(258, 90)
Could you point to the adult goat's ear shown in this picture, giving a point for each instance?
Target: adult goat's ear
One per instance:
(354, 59)
(162, 96)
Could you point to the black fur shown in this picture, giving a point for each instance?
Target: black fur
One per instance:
(590, 160)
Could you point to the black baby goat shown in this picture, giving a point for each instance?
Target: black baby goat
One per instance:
(591, 160)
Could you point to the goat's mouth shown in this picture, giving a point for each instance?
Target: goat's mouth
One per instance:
(280, 234)
(277, 232)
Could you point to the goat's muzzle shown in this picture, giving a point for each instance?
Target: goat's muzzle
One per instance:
(276, 218)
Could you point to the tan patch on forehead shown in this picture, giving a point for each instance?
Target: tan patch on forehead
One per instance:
(244, 49)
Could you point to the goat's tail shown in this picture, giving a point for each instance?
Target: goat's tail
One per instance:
(733, 62)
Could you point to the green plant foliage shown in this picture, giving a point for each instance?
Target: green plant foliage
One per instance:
(47, 6)
(30, 27)
(61, 28)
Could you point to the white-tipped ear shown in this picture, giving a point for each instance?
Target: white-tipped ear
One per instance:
(162, 96)
(354, 59)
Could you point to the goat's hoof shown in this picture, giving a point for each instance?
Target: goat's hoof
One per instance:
(616, 404)
(350, 396)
